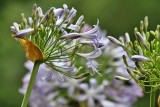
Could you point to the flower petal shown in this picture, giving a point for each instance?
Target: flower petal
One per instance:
(140, 58)
(24, 32)
(71, 36)
(94, 54)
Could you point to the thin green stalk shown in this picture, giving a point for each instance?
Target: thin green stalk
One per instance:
(152, 98)
(82, 104)
(31, 84)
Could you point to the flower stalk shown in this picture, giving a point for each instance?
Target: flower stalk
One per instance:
(31, 83)
(152, 98)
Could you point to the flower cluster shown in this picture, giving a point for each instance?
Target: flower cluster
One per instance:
(54, 38)
(145, 53)
(93, 91)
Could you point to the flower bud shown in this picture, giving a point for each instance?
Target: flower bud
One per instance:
(140, 58)
(125, 60)
(24, 32)
(139, 67)
(115, 41)
(15, 27)
(146, 23)
(141, 26)
(30, 21)
(39, 12)
(58, 12)
(127, 37)
(71, 36)
(121, 78)
(141, 40)
(80, 20)
(135, 30)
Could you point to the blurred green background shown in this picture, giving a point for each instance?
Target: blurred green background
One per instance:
(116, 16)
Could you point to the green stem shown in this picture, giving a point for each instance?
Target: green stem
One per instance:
(31, 84)
(152, 98)
(82, 104)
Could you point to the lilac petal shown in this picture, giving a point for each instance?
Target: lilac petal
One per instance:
(91, 33)
(81, 97)
(93, 65)
(94, 54)
(71, 15)
(24, 32)
(83, 86)
(100, 97)
(71, 36)
(106, 103)
(91, 102)
(48, 76)
(91, 43)
(141, 39)
(93, 83)
(58, 12)
(139, 58)
(100, 88)
(71, 27)
(74, 27)
(29, 65)
(45, 17)
(39, 12)
(65, 6)
(71, 91)
(61, 19)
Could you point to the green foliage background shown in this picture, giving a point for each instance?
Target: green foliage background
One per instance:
(116, 16)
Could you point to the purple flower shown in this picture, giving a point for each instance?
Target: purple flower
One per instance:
(92, 92)
(92, 64)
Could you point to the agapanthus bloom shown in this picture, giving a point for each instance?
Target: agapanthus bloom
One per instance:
(53, 38)
(93, 91)
(144, 51)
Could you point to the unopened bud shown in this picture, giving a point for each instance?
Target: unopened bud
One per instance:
(140, 58)
(141, 26)
(115, 41)
(146, 23)
(127, 37)
(139, 67)
(141, 40)
(121, 78)
(71, 36)
(80, 20)
(24, 32)
(125, 60)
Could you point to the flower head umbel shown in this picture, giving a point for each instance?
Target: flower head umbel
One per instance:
(93, 91)
(53, 38)
(145, 53)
